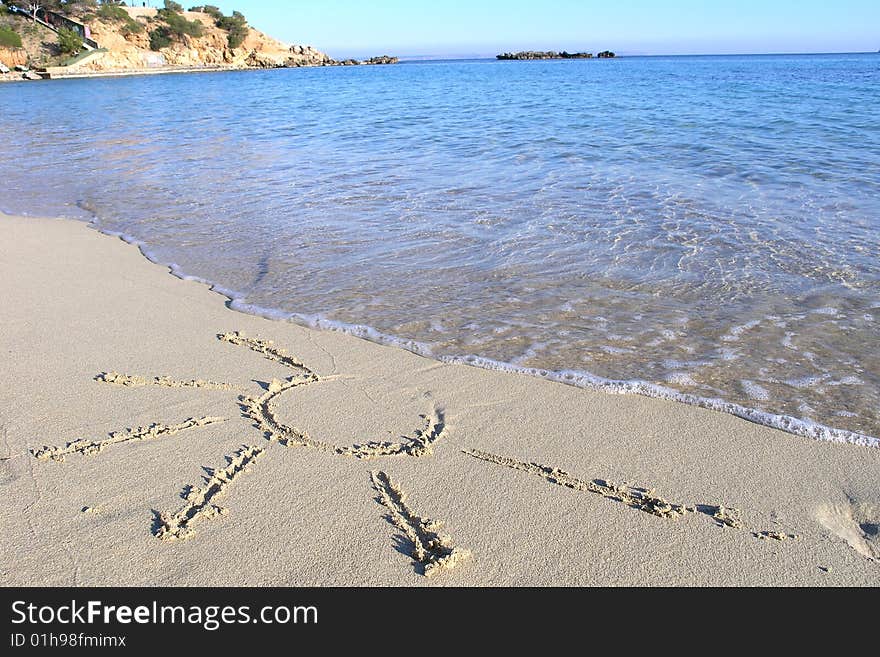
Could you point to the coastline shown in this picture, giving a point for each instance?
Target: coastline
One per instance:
(133, 72)
(86, 304)
(582, 379)
(56, 74)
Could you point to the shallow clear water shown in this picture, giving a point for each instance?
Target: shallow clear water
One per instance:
(708, 224)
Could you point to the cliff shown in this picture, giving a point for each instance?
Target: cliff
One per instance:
(128, 42)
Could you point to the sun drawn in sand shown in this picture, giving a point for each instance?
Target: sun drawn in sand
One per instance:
(431, 550)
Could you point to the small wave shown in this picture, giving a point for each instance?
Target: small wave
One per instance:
(797, 426)
(585, 380)
(682, 379)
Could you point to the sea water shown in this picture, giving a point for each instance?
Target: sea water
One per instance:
(704, 229)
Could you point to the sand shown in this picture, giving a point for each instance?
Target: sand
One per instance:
(149, 435)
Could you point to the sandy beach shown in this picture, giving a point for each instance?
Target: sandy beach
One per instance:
(149, 435)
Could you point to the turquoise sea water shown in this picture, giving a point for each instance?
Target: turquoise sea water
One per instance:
(700, 228)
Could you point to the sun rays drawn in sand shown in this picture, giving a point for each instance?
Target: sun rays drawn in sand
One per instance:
(432, 551)
(641, 499)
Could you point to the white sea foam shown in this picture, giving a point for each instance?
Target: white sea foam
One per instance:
(615, 351)
(755, 391)
(736, 332)
(581, 379)
(728, 354)
(847, 381)
(533, 351)
(807, 382)
(681, 379)
(797, 426)
(806, 409)
(672, 364)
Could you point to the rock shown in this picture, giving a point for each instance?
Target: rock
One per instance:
(527, 55)
(606, 54)
(30, 75)
(258, 59)
(373, 61)
(306, 56)
(381, 60)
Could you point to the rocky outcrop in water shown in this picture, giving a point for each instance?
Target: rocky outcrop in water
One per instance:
(381, 61)
(528, 55)
(300, 56)
(606, 54)
(307, 56)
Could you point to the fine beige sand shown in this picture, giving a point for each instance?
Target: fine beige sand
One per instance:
(151, 436)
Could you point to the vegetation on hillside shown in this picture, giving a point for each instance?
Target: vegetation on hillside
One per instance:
(114, 13)
(236, 25)
(174, 26)
(69, 42)
(9, 38)
(169, 26)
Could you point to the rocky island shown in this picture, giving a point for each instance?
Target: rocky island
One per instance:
(79, 39)
(529, 55)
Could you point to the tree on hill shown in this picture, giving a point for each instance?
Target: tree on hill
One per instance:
(69, 41)
(175, 26)
(211, 10)
(110, 11)
(9, 38)
(236, 25)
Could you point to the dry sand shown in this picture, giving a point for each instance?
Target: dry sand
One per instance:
(139, 448)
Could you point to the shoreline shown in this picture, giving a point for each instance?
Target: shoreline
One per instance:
(132, 73)
(171, 70)
(580, 379)
(736, 503)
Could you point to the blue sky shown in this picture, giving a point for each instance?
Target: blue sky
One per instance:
(465, 27)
